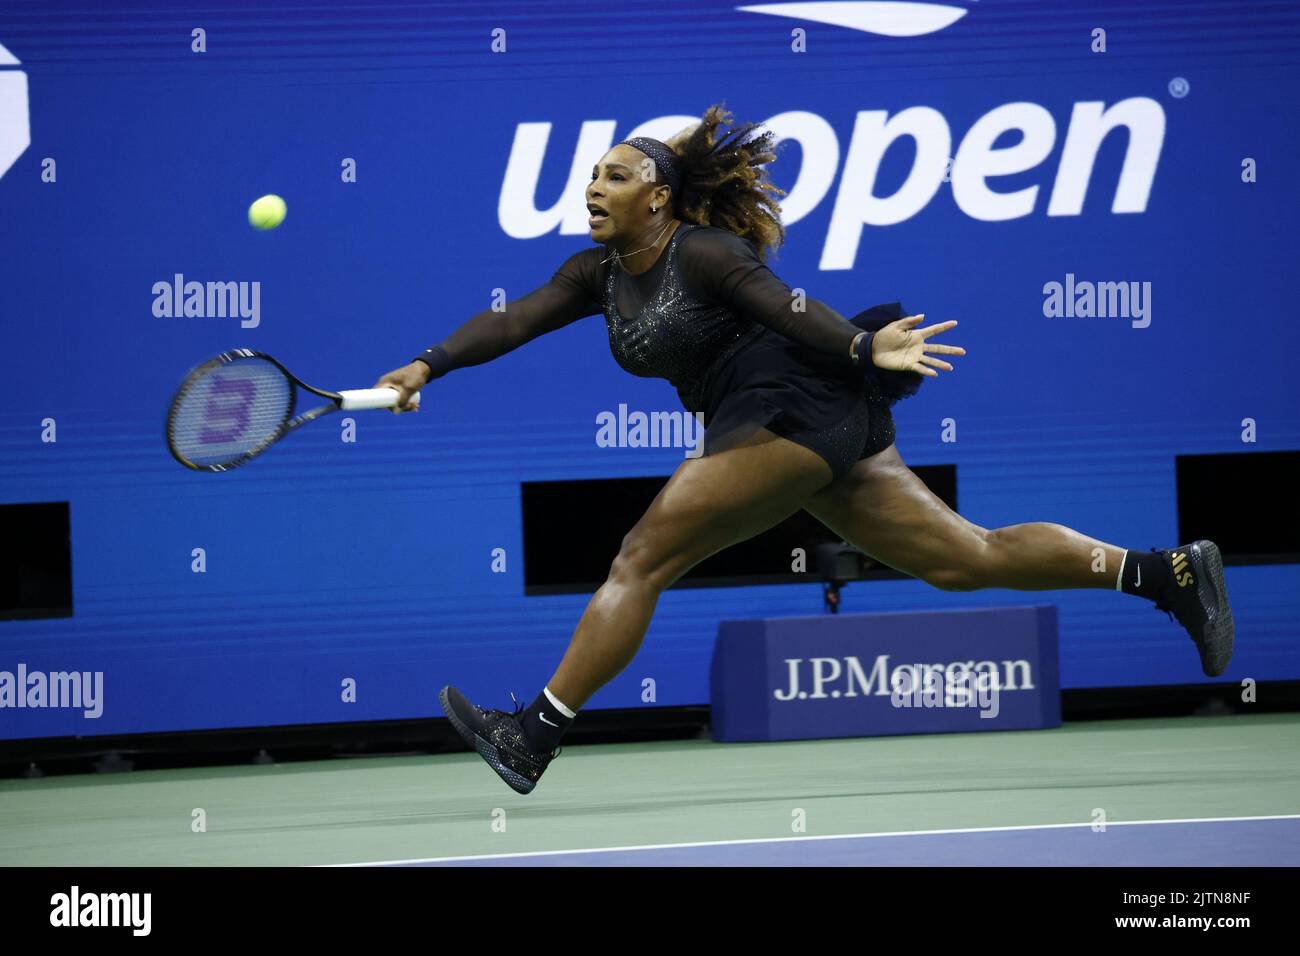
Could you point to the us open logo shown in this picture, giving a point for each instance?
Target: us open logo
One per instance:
(887, 18)
(15, 129)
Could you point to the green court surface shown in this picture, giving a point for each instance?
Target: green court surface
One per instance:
(426, 807)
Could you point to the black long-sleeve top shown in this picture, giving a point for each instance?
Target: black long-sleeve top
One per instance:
(706, 295)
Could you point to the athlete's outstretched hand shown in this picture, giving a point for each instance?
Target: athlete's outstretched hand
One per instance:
(903, 347)
(408, 380)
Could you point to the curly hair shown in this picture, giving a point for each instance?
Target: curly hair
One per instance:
(724, 182)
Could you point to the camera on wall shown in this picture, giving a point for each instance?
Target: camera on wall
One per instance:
(837, 564)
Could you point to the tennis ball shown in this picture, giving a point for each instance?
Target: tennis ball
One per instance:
(267, 212)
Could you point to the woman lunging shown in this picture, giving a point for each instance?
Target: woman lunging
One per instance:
(796, 403)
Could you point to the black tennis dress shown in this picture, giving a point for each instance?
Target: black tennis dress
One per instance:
(715, 322)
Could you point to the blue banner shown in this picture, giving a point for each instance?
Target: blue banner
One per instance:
(1103, 199)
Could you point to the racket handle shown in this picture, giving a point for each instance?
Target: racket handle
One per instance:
(360, 399)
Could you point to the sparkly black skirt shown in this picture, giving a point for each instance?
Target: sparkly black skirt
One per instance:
(809, 398)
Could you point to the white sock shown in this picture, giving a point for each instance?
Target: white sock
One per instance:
(555, 702)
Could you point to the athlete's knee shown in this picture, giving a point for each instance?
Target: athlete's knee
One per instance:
(643, 561)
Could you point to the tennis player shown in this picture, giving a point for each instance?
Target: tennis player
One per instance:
(796, 402)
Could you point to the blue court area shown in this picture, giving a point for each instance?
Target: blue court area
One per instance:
(1257, 842)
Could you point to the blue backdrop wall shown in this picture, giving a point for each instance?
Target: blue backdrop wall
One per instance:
(372, 560)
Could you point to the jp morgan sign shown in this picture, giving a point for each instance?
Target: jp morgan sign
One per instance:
(951, 684)
(865, 675)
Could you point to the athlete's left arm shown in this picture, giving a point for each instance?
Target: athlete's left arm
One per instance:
(722, 266)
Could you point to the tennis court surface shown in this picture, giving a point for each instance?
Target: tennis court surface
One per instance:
(1195, 791)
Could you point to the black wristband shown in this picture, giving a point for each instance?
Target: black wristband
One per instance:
(436, 357)
(862, 351)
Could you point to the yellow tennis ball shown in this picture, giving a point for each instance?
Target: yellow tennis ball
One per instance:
(267, 212)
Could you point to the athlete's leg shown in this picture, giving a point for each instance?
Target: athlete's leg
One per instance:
(709, 504)
(882, 508)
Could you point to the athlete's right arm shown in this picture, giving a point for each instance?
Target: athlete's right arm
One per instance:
(570, 295)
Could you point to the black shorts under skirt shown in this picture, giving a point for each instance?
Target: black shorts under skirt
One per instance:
(775, 383)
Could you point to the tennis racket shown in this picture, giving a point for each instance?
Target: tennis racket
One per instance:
(237, 405)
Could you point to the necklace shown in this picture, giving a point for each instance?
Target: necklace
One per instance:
(620, 257)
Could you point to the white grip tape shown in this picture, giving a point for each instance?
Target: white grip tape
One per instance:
(360, 399)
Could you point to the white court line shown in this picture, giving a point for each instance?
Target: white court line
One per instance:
(797, 839)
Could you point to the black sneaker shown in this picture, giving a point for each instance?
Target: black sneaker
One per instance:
(498, 738)
(1197, 597)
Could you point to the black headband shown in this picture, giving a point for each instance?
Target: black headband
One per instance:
(666, 160)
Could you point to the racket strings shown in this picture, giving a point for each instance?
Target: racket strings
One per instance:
(229, 411)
